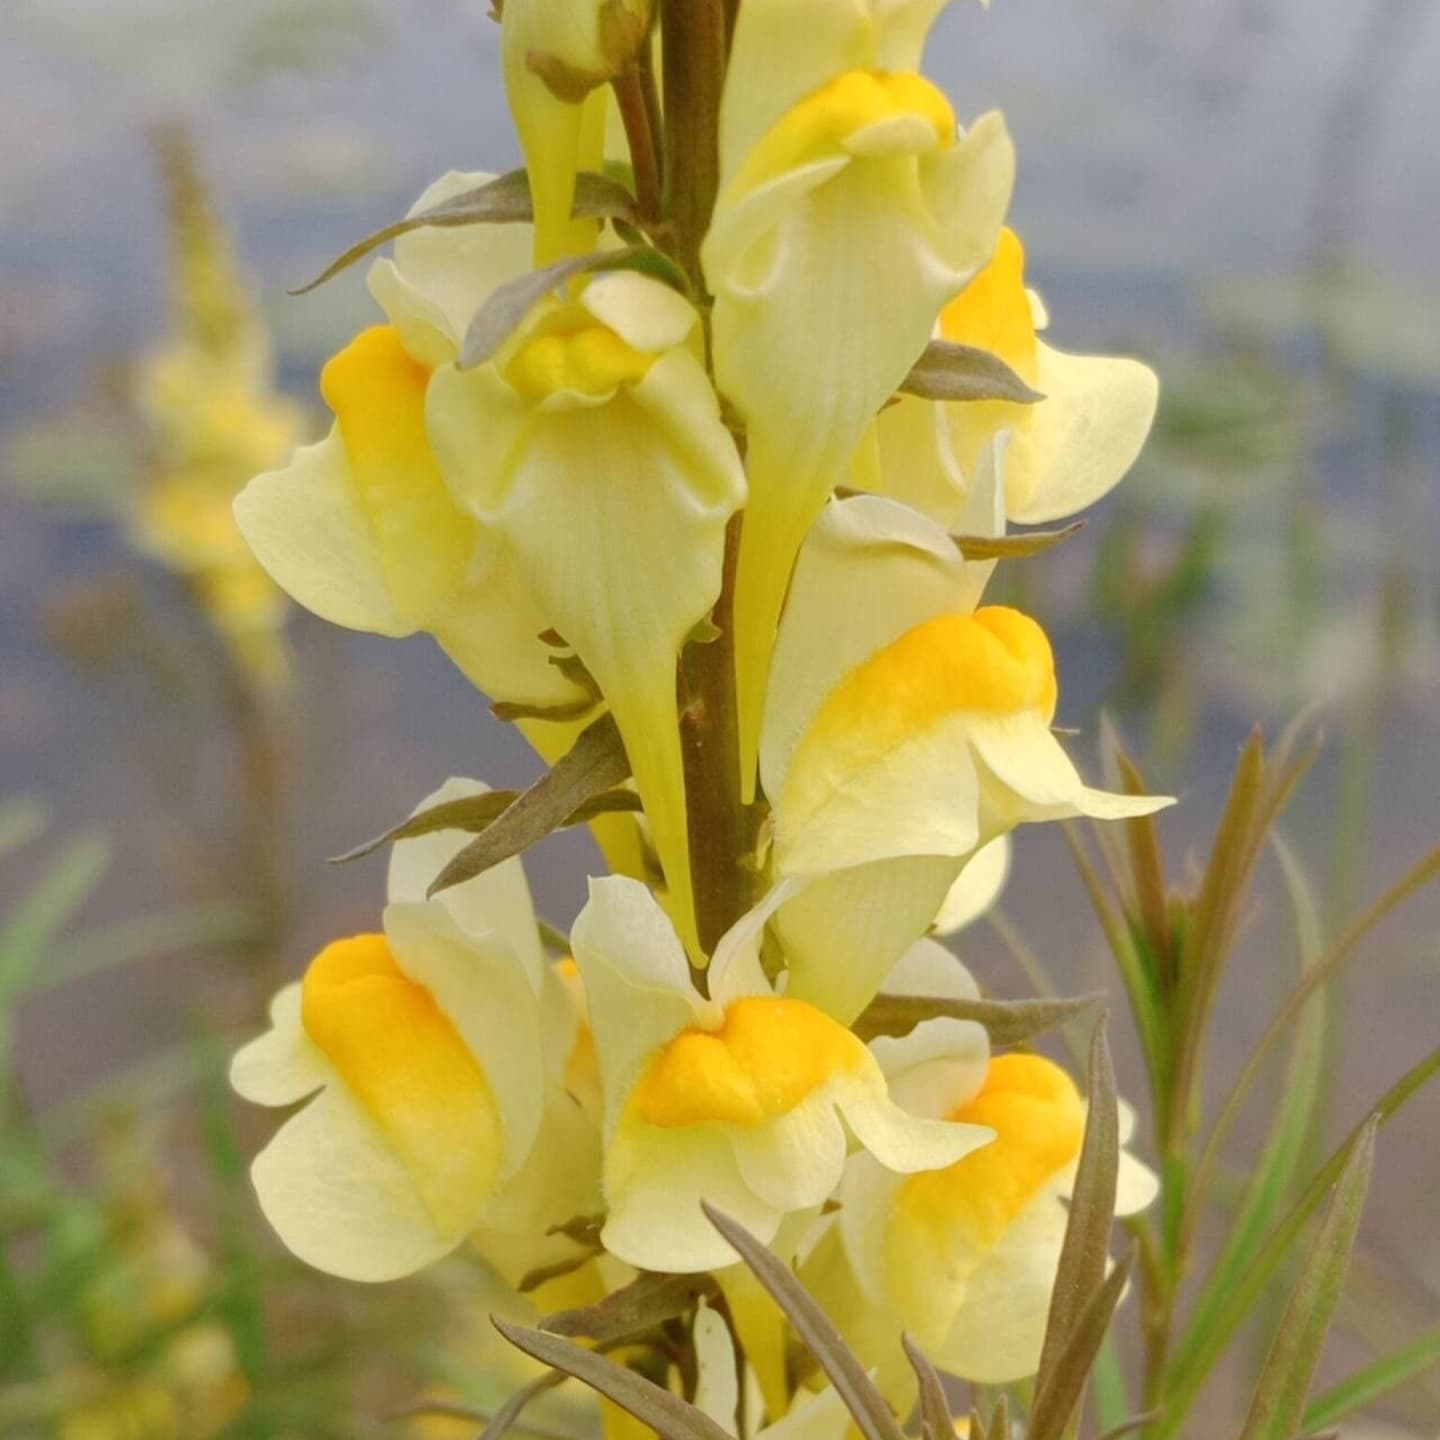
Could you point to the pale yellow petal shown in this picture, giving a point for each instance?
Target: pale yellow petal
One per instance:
(976, 888)
(1076, 444)
(843, 932)
(341, 1199)
(308, 528)
(282, 1065)
(497, 901)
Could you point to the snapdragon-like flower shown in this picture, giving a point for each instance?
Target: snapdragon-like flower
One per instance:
(1065, 451)
(962, 1259)
(905, 729)
(431, 1056)
(592, 445)
(851, 208)
(743, 1097)
(361, 528)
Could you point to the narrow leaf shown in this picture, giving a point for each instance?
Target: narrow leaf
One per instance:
(476, 813)
(1007, 1022)
(856, 1389)
(1058, 1396)
(43, 913)
(506, 306)
(1014, 547)
(999, 1427)
(1201, 1348)
(594, 764)
(666, 1414)
(1271, 1176)
(1376, 1379)
(502, 201)
(934, 1409)
(648, 1301)
(947, 371)
(1277, 1410)
(507, 1416)
(453, 1410)
(1130, 1426)
(1085, 1253)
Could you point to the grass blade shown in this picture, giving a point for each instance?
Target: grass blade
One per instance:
(1277, 1411)
(1376, 1379)
(1274, 1172)
(815, 1329)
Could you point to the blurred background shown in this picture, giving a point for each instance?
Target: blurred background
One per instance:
(1245, 193)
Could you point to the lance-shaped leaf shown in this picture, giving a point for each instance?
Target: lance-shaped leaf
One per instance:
(1057, 1398)
(1015, 547)
(667, 1414)
(477, 813)
(935, 1419)
(1007, 1022)
(502, 201)
(949, 371)
(1197, 1353)
(594, 764)
(496, 320)
(1277, 1410)
(644, 1303)
(1085, 1254)
(815, 1329)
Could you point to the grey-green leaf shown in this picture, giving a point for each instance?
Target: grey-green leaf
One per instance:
(502, 201)
(667, 1414)
(1057, 1397)
(594, 764)
(476, 813)
(1277, 1409)
(947, 371)
(646, 1302)
(1085, 1253)
(1015, 547)
(1007, 1022)
(934, 1409)
(815, 1329)
(508, 305)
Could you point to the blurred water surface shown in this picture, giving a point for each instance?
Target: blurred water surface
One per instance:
(1245, 192)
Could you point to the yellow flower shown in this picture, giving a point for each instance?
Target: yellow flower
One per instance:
(737, 1098)
(1064, 452)
(591, 447)
(905, 730)
(961, 1258)
(361, 528)
(851, 209)
(430, 1054)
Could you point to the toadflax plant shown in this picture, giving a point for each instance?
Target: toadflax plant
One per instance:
(695, 450)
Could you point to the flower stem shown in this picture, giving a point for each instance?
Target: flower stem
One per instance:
(694, 71)
(719, 824)
(644, 156)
